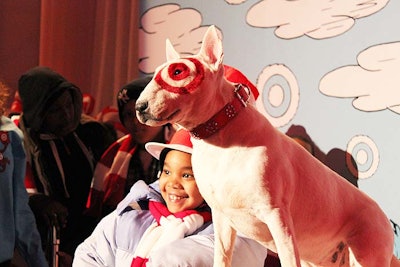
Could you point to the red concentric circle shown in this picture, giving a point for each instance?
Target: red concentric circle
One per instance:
(182, 76)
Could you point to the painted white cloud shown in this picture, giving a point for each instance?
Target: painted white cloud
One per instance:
(181, 25)
(317, 19)
(235, 2)
(374, 83)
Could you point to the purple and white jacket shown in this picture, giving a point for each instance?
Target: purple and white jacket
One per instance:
(115, 239)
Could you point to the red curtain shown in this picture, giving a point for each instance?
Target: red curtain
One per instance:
(19, 39)
(93, 43)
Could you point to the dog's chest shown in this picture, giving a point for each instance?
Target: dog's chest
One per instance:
(228, 177)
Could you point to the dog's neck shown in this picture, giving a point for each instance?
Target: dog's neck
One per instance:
(225, 115)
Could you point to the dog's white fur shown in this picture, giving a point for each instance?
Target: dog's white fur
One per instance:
(261, 183)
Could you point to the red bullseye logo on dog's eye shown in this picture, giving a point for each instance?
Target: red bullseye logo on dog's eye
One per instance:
(178, 71)
(181, 77)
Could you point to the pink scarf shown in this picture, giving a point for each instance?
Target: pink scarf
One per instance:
(167, 228)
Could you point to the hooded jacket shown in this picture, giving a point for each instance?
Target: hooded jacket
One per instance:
(62, 167)
(38, 88)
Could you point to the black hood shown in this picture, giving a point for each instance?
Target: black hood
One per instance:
(38, 88)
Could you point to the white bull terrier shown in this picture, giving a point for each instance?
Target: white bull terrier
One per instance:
(257, 180)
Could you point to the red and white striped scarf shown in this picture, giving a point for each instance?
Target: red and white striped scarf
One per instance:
(167, 228)
(110, 174)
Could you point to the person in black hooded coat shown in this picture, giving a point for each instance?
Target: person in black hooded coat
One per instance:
(63, 146)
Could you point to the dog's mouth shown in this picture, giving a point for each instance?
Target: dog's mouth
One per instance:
(173, 115)
(149, 119)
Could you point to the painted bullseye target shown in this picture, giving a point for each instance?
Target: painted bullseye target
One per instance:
(279, 94)
(366, 155)
(182, 76)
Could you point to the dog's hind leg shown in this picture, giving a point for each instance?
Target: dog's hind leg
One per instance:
(373, 243)
(377, 259)
(225, 237)
(395, 262)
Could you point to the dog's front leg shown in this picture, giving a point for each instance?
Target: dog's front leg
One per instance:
(280, 225)
(225, 237)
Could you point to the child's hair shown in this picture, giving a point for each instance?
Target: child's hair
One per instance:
(4, 94)
(163, 155)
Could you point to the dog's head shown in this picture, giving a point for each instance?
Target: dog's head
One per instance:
(187, 90)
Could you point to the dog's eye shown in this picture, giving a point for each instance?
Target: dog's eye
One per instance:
(177, 71)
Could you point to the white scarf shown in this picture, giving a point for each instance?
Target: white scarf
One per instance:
(167, 228)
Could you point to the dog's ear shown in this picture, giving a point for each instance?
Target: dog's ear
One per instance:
(211, 49)
(171, 53)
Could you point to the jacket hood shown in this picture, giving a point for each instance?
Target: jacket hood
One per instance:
(38, 87)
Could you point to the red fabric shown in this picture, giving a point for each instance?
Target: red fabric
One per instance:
(181, 137)
(107, 158)
(159, 210)
(88, 103)
(16, 105)
(15, 119)
(139, 262)
(94, 203)
(29, 181)
(235, 76)
(114, 189)
(109, 177)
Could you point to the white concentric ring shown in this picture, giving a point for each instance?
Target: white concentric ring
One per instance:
(365, 153)
(279, 94)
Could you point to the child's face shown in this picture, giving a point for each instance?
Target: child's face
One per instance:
(177, 184)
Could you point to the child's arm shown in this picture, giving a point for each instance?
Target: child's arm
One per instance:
(198, 250)
(114, 240)
(99, 248)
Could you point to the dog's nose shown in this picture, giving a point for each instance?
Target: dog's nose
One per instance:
(141, 106)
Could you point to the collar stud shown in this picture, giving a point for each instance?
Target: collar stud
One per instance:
(227, 113)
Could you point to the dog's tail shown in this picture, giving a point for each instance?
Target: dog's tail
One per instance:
(395, 262)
